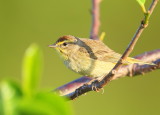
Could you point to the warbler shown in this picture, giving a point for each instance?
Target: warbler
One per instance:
(87, 56)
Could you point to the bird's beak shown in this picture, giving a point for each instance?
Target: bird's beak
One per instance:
(52, 46)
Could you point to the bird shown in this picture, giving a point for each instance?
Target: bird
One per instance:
(89, 57)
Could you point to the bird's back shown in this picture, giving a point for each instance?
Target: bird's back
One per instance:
(100, 51)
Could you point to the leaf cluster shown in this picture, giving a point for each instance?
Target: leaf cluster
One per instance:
(24, 99)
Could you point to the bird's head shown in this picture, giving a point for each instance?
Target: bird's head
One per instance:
(65, 45)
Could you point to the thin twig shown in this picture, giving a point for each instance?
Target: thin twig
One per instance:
(128, 70)
(129, 49)
(152, 6)
(95, 19)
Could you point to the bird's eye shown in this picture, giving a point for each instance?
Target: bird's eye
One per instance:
(64, 44)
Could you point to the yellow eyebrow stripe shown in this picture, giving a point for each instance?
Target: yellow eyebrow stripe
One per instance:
(59, 43)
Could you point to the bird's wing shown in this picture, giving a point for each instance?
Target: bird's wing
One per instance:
(113, 57)
(107, 56)
(97, 50)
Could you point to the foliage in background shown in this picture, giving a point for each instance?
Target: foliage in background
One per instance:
(25, 99)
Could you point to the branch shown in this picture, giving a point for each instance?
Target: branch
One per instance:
(130, 70)
(95, 19)
(97, 85)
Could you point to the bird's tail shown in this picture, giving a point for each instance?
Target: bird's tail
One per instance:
(133, 60)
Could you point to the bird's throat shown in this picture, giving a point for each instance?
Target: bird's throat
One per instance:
(62, 54)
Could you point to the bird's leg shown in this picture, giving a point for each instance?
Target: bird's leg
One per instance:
(94, 83)
(94, 87)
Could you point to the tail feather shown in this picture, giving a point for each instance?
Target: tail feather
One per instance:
(133, 60)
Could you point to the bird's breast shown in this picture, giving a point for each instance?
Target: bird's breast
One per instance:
(88, 66)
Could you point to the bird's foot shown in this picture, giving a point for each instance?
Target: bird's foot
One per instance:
(94, 85)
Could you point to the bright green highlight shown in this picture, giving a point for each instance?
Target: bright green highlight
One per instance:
(31, 69)
(9, 93)
(44, 103)
(141, 3)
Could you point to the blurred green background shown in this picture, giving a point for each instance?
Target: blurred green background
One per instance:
(23, 22)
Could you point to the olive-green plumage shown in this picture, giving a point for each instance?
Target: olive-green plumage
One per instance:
(88, 57)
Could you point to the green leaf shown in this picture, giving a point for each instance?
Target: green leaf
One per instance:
(141, 3)
(45, 104)
(30, 102)
(10, 93)
(31, 69)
